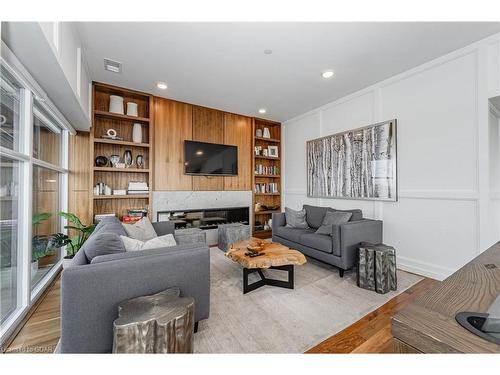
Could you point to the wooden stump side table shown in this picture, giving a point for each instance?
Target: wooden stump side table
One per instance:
(160, 323)
(377, 268)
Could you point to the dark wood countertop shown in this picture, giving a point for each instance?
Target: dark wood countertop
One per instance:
(428, 324)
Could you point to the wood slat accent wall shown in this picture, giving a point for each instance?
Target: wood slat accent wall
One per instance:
(173, 124)
(208, 126)
(238, 132)
(79, 199)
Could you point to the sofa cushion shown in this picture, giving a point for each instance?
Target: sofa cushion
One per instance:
(357, 214)
(142, 230)
(319, 242)
(333, 218)
(102, 243)
(291, 234)
(295, 219)
(132, 244)
(314, 215)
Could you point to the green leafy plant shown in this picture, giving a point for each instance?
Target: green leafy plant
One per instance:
(39, 242)
(84, 231)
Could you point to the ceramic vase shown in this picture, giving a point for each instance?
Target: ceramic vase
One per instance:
(266, 133)
(116, 104)
(137, 133)
(132, 109)
(127, 158)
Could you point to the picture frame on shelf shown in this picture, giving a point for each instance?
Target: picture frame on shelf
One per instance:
(272, 151)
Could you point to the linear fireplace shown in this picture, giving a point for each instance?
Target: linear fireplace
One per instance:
(209, 218)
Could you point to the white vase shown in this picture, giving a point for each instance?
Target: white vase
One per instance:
(116, 104)
(132, 109)
(266, 133)
(137, 133)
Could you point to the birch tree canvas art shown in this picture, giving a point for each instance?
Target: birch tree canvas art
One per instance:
(357, 164)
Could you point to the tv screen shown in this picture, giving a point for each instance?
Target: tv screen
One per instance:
(210, 159)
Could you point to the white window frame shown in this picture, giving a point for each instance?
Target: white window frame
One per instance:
(29, 93)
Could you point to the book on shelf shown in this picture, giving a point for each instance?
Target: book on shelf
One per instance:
(131, 219)
(270, 188)
(137, 192)
(99, 217)
(266, 170)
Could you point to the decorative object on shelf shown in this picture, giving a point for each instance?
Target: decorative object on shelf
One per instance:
(270, 223)
(372, 175)
(120, 165)
(137, 188)
(258, 133)
(137, 133)
(258, 150)
(114, 160)
(112, 134)
(119, 192)
(116, 104)
(265, 152)
(102, 189)
(266, 133)
(160, 323)
(127, 158)
(139, 161)
(272, 151)
(101, 161)
(132, 109)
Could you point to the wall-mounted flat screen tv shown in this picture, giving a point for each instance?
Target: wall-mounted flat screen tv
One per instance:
(209, 159)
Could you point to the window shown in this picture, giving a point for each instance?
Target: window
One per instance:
(33, 190)
(9, 226)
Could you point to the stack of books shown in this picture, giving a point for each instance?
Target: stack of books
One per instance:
(134, 215)
(271, 188)
(137, 188)
(99, 217)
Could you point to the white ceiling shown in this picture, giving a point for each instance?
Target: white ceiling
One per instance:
(222, 65)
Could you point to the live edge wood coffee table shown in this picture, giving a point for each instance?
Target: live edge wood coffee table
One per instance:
(275, 256)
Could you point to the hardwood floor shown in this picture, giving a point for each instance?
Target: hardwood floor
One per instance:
(41, 332)
(370, 334)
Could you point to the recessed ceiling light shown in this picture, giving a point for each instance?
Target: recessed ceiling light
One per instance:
(161, 85)
(268, 51)
(262, 110)
(327, 74)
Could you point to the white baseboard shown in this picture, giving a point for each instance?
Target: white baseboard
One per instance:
(424, 269)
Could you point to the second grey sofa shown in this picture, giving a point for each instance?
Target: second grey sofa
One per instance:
(91, 291)
(339, 248)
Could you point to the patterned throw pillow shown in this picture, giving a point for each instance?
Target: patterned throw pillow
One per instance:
(142, 230)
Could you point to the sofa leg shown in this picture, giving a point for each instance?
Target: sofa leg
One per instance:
(341, 272)
(195, 327)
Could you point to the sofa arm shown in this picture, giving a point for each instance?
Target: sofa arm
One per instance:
(279, 220)
(90, 294)
(354, 232)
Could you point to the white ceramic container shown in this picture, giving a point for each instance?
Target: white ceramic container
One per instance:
(116, 104)
(132, 109)
(137, 133)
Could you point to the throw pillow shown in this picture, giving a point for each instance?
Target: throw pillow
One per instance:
(132, 244)
(142, 230)
(296, 219)
(102, 244)
(333, 218)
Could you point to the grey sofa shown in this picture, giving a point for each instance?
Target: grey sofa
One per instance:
(338, 249)
(91, 292)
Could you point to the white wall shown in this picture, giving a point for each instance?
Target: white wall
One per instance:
(444, 215)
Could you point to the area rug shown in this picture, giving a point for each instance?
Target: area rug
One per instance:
(277, 320)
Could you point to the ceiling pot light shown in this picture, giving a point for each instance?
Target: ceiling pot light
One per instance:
(161, 85)
(262, 110)
(268, 51)
(327, 74)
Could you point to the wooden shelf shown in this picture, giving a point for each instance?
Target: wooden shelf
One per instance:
(266, 157)
(270, 140)
(123, 170)
(121, 196)
(117, 116)
(263, 233)
(270, 194)
(121, 143)
(268, 175)
(267, 212)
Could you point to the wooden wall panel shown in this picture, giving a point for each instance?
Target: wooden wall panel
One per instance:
(173, 124)
(79, 197)
(208, 126)
(238, 132)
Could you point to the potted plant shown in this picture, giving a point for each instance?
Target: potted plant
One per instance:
(83, 233)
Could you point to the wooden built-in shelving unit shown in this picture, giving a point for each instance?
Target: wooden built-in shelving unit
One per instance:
(118, 178)
(268, 199)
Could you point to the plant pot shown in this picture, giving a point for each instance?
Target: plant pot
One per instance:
(66, 262)
(49, 259)
(34, 269)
